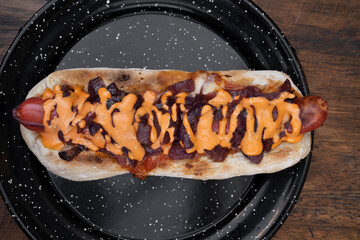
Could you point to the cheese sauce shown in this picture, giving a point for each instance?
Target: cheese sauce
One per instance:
(120, 122)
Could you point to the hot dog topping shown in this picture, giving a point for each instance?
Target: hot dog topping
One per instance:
(178, 122)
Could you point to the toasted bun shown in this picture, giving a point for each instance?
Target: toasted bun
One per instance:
(90, 165)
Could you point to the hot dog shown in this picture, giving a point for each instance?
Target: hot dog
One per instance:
(96, 123)
(30, 113)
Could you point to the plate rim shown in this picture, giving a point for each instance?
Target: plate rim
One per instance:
(289, 49)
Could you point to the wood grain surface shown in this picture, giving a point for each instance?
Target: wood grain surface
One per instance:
(326, 35)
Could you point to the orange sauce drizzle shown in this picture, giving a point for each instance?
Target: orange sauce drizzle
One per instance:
(120, 126)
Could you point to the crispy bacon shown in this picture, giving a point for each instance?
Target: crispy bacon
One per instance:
(184, 137)
(158, 104)
(91, 126)
(61, 136)
(244, 92)
(231, 108)
(139, 101)
(177, 152)
(255, 118)
(68, 155)
(119, 158)
(90, 117)
(274, 113)
(93, 87)
(253, 91)
(109, 103)
(282, 134)
(256, 159)
(170, 100)
(183, 86)
(152, 152)
(116, 95)
(268, 144)
(83, 130)
(240, 129)
(144, 118)
(288, 126)
(53, 114)
(166, 139)
(66, 90)
(193, 116)
(271, 96)
(94, 128)
(130, 161)
(177, 122)
(286, 86)
(218, 153)
(156, 123)
(191, 101)
(144, 130)
(217, 117)
(143, 134)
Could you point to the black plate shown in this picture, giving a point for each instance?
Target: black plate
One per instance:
(186, 35)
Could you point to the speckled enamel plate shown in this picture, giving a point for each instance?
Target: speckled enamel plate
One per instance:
(185, 35)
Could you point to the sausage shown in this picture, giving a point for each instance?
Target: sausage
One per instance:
(30, 114)
(313, 112)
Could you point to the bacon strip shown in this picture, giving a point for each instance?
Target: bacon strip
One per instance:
(177, 152)
(252, 91)
(218, 153)
(183, 86)
(68, 155)
(93, 87)
(143, 134)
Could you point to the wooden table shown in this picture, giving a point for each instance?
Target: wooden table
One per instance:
(326, 35)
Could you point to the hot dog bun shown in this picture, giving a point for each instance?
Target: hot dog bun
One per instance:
(91, 166)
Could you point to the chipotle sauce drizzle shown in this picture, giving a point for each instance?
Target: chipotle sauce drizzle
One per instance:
(117, 125)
